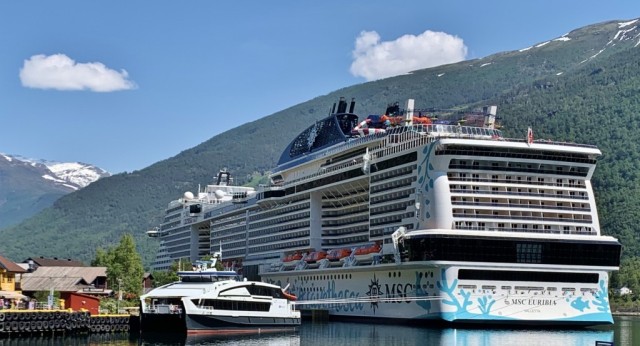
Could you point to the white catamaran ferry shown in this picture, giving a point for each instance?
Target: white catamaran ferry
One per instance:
(415, 215)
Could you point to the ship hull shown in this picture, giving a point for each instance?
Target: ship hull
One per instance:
(212, 324)
(433, 291)
(162, 322)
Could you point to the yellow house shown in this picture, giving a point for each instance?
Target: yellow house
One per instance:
(10, 274)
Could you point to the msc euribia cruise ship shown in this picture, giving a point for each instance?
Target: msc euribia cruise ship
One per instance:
(413, 214)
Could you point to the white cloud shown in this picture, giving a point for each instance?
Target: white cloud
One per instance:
(60, 72)
(373, 59)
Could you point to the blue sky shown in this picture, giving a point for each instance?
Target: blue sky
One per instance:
(124, 84)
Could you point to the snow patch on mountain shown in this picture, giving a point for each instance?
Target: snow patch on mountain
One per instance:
(73, 175)
(623, 24)
(77, 173)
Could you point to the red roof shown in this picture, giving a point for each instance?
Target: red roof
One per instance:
(11, 266)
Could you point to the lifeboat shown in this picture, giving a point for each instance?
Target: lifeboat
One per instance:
(400, 120)
(367, 249)
(290, 261)
(338, 254)
(366, 253)
(292, 257)
(315, 256)
(380, 123)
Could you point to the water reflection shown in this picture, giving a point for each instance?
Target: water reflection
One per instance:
(525, 337)
(279, 339)
(47, 339)
(356, 334)
(625, 331)
(366, 334)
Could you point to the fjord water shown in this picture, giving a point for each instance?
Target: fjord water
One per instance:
(625, 332)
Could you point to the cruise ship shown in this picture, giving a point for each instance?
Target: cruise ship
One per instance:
(183, 236)
(415, 214)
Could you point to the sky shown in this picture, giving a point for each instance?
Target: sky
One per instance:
(125, 84)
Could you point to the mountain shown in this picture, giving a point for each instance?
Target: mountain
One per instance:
(583, 87)
(28, 185)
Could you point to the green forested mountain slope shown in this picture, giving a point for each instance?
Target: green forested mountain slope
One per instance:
(584, 89)
(23, 191)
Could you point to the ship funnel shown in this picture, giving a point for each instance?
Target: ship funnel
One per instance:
(392, 110)
(224, 177)
(408, 116)
(490, 116)
(352, 106)
(493, 110)
(342, 105)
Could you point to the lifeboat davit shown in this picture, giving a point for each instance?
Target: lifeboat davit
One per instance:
(290, 261)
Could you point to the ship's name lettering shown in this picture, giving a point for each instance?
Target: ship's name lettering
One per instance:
(536, 302)
(331, 293)
(398, 293)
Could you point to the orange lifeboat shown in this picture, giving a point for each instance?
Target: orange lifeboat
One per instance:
(400, 120)
(367, 249)
(292, 257)
(315, 256)
(338, 254)
(362, 250)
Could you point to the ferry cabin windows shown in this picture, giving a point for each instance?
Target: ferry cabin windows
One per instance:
(234, 305)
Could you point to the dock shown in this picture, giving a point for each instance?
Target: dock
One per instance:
(26, 322)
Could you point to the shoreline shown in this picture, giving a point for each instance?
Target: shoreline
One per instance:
(626, 313)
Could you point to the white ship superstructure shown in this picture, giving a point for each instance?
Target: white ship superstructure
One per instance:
(183, 233)
(407, 217)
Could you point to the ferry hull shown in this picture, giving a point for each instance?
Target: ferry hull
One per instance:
(162, 322)
(433, 292)
(209, 324)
